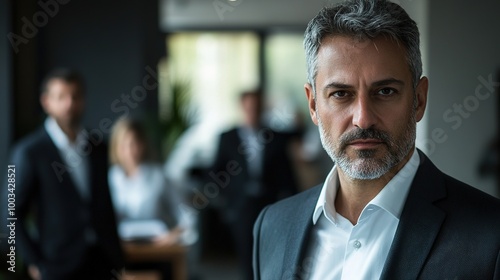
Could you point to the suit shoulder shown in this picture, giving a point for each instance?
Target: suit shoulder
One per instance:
(455, 197)
(30, 142)
(460, 189)
(471, 200)
(288, 207)
(229, 132)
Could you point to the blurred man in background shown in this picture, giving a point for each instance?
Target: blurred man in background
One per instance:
(262, 169)
(67, 226)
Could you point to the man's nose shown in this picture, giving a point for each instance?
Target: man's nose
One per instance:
(364, 115)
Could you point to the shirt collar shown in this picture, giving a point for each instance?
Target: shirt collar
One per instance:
(58, 136)
(328, 192)
(391, 198)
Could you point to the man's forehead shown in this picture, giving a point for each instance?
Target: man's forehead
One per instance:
(58, 83)
(359, 44)
(343, 57)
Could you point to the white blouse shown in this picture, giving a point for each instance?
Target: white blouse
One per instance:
(146, 195)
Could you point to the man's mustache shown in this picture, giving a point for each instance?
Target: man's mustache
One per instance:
(360, 134)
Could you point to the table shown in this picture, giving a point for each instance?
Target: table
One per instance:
(150, 252)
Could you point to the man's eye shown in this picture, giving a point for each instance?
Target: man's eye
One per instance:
(339, 94)
(386, 91)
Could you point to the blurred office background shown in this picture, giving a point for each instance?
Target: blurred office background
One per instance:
(203, 54)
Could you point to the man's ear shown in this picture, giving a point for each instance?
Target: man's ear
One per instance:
(311, 102)
(421, 95)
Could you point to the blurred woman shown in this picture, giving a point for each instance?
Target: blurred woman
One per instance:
(147, 206)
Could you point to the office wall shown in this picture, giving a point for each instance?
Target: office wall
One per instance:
(464, 50)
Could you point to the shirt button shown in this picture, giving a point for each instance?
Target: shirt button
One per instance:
(356, 244)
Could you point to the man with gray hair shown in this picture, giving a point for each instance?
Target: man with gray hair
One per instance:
(384, 211)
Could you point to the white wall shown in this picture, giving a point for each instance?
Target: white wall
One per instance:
(464, 44)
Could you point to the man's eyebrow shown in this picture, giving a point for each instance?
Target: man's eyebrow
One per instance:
(338, 85)
(383, 82)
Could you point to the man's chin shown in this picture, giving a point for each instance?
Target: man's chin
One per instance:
(69, 122)
(365, 168)
(365, 173)
(377, 152)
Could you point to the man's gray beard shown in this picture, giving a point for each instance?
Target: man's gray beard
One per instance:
(366, 167)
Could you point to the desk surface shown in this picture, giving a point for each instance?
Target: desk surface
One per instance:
(137, 252)
(150, 252)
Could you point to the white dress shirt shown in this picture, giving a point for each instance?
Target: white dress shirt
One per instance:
(145, 195)
(73, 155)
(340, 250)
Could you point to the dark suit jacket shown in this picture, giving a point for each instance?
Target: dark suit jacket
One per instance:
(447, 230)
(59, 212)
(277, 180)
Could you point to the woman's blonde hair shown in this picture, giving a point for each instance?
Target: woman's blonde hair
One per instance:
(120, 128)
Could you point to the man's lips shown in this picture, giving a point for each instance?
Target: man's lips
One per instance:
(365, 143)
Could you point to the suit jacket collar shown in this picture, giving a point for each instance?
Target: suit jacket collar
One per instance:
(418, 227)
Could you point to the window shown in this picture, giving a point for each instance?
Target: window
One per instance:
(285, 66)
(217, 67)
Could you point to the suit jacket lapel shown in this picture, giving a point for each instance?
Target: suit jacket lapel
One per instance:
(419, 224)
(66, 181)
(298, 236)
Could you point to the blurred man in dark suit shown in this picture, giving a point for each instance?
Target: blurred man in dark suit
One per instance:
(61, 186)
(263, 173)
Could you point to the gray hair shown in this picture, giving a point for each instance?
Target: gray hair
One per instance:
(363, 19)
